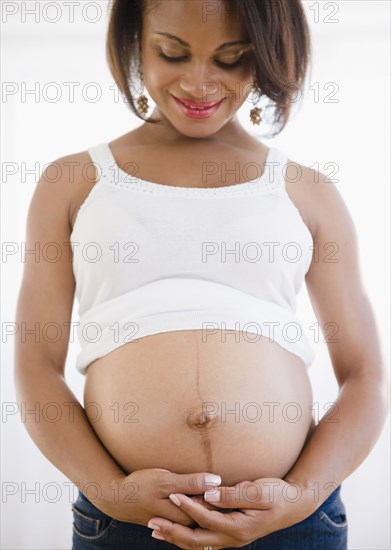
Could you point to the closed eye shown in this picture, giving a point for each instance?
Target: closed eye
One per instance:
(183, 58)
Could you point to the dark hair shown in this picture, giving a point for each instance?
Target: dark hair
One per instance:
(278, 30)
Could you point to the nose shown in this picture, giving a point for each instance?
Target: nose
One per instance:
(198, 82)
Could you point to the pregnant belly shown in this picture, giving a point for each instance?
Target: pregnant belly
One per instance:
(238, 408)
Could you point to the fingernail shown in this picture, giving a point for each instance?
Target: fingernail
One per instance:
(174, 499)
(212, 496)
(157, 535)
(152, 525)
(211, 478)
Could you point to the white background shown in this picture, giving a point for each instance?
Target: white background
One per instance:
(352, 51)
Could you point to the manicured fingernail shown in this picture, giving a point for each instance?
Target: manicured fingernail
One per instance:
(152, 525)
(157, 535)
(212, 496)
(174, 499)
(211, 478)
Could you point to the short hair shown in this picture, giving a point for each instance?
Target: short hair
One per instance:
(277, 29)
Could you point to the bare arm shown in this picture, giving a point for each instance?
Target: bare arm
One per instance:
(70, 443)
(46, 297)
(349, 430)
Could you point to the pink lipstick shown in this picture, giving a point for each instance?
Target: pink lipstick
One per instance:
(197, 109)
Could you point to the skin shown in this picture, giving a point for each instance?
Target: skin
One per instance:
(199, 78)
(334, 450)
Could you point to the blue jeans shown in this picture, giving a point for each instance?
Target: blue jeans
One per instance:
(324, 529)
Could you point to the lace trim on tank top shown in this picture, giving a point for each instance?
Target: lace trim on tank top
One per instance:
(110, 173)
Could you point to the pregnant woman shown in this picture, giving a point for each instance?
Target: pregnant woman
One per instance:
(186, 242)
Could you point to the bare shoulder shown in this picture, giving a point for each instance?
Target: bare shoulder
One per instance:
(75, 175)
(317, 198)
(65, 181)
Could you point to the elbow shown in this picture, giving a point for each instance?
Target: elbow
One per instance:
(382, 390)
(375, 382)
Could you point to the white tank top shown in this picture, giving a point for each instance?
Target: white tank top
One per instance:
(151, 258)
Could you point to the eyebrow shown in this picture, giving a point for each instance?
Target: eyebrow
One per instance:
(187, 45)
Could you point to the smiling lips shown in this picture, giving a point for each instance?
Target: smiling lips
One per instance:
(197, 104)
(197, 109)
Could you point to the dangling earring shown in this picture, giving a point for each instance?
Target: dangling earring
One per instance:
(142, 100)
(255, 114)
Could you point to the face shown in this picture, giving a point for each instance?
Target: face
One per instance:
(196, 51)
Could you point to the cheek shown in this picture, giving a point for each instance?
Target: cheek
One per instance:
(238, 83)
(238, 88)
(160, 76)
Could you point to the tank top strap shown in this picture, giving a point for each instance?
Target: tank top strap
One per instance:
(275, 166)
(103, 159)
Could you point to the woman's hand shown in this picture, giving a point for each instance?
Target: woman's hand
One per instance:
(259, 508)
(143, 494)
(201, 500)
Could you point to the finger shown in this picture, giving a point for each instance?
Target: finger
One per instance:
(208, 519)
(187, 538)
(215, 528)
(193, 484)
(246, 494)
(200, 500)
